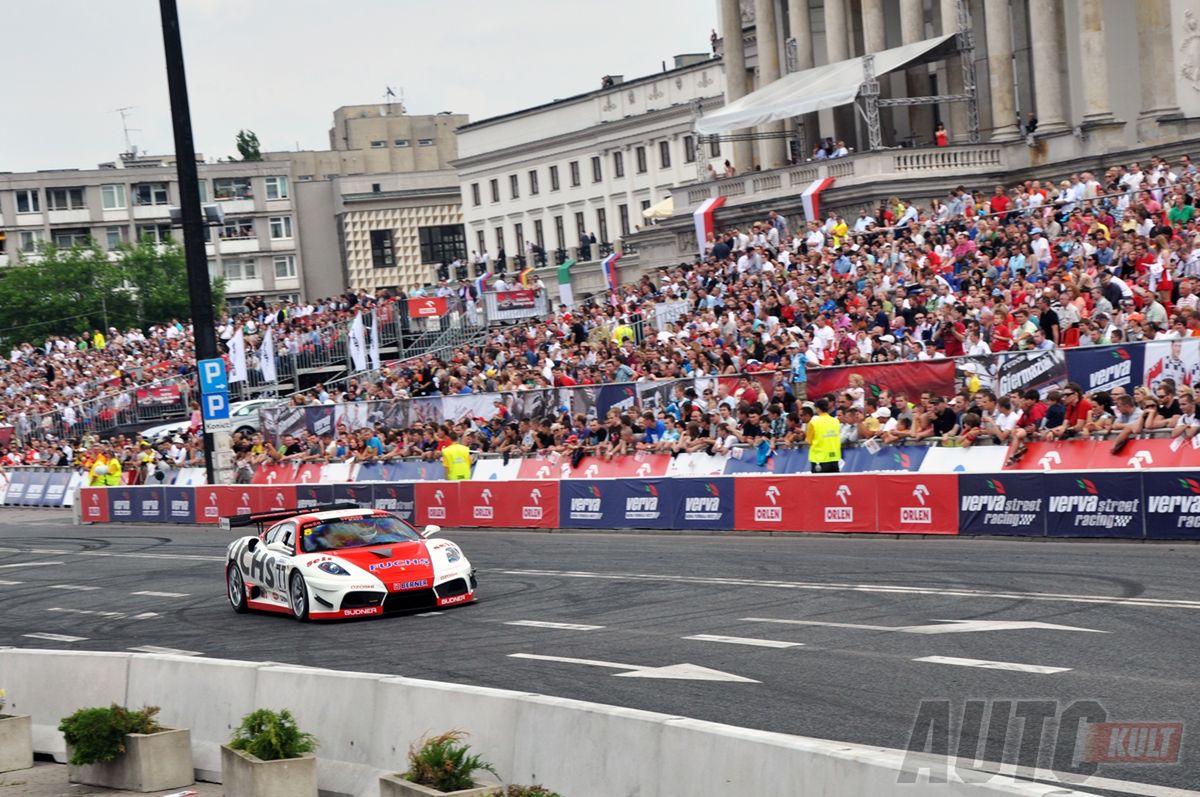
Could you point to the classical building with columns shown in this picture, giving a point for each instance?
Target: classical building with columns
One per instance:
(1109, 82)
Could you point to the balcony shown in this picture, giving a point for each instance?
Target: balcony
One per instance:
(81, 216)
(237, 246)
(151, 211)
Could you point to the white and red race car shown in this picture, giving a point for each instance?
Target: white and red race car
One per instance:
(342, 561)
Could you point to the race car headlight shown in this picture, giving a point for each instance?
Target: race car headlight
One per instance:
(452, 554)
(333, 569)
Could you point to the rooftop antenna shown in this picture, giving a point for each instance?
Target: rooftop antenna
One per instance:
(129, 148)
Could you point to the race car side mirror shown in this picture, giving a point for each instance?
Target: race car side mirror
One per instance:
(429, 531)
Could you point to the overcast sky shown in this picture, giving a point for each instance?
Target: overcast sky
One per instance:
(280, 67)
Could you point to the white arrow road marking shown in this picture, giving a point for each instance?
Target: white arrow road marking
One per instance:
(73, 587)
(1162, 603)
(165, 651)
(563, 626)
(739, 640)
(153, 594)
(993, 665)
(949, 627)
(33, 564)
(56, 637)
(677, 672)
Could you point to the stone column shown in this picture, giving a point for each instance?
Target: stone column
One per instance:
(1046, 44)
(772, 152)
(1096, 107)
(837, 47)
(735, 75)
(800, 29)
(912, 29)
(1157, 65)
(998, 31)
(954, 114)
(872, 22)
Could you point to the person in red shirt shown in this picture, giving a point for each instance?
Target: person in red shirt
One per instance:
(953, 334)
(1002, 336)
(1000, 202)
(1076, 415)
(941, 136)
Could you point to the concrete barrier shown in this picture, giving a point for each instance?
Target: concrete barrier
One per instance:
(365, 724)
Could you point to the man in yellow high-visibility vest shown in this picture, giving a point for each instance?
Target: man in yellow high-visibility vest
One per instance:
(456, 458)
(824, 437)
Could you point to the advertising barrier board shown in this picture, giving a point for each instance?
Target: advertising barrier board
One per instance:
(1002, 504)
(1093, 504)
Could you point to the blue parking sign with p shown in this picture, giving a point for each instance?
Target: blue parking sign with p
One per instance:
(213, 378)
(215, 406)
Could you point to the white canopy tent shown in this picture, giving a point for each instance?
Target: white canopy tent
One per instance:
(827, 86)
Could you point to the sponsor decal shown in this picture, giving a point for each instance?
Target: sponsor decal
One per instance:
(1090, 510)
(398, 563)
(533, 510)
(1134, 742)
(411, 584)
(363, 611)
(703, 507)
(643, 507)
(917, 514)
(486, 511)
(843, 513)
(437, 512)
(1182, 503)
(1120, 372)
(212, 510)
(586, 508)
(1001, 509)
(453, 599)
(769, 514)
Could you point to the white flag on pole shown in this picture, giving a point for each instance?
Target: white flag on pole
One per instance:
(237, 357)
(266, 358)
(373, 351)
(358, 344)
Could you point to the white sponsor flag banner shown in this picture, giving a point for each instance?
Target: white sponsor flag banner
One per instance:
(237, 357)
(266, 358)
(358, 344)
(373, 351)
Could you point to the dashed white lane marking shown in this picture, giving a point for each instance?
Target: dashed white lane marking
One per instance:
(154, 594)
(165, 651)
(738, 640)
(4, 583)
(993, 665)
(55, 637)
(429, 614)
(563, 626)
(1162, 603)
(91, 612)
(32, 564)
(56, 552)
(145, 616)
(73, 587)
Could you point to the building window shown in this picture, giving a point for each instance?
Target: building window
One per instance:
(618, 164)
(533, 182)
(475, 200)
(444, 243)
(149, 194)
(401, 142)
(495, 186)
(232, 188)
(689, 149)
(597, 172)
(27, 201)
(481, 240)
(281, 227)
(203, 186)
(64, 199)
(237, 228)
(114, 237)
(513, 188)
(240, 269)
(640, 154)
(285, 267)
(645, 204)
(112, 197)
(539, 235)
(500, 241)
(664, 154)
(304, 178)
(156, 233)
(277, 187)
(559, 233)
(519, 231)
(580, 230)
(623, 219)
(29, 241)
(65, 239)
(602, 223)
(382, 255)
(554, 178)
(714, 147)
(378, 144)
(424, 142)
(574, 168)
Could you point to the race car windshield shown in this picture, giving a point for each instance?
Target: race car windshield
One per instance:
(357, 532)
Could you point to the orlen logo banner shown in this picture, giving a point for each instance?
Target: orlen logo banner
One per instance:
(1172, 505)
(274, 498)
(216, 502)
(1093, 504)
(438, 503)
(94, 505)
(1011, 504)
(591, 504)
(766, 503)
(516, 504)
(180, 504)
(924, 504)
(275, 474)
(395, 498)
(839, 503)
(697, 503)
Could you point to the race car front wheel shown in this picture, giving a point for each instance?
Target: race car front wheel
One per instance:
(299, 595)
(235, 588)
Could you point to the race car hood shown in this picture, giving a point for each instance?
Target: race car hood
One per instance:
(401, 566)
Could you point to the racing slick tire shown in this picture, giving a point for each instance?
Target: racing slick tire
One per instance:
(298, 597)
(235, 588)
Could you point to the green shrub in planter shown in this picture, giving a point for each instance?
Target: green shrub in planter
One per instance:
(270, 736)
(444, 763)
(530, 791)
(97, 735)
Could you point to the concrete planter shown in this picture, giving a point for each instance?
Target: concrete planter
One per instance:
(16, 742)
(396, 786)
(151, 762)
(244, 775)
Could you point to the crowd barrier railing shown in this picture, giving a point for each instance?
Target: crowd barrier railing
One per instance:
(1140, 505)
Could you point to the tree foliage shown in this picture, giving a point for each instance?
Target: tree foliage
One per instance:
(73, 291)
(270, 736)
(247, 145)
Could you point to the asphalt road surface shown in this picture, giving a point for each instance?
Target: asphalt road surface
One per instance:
(838, 638)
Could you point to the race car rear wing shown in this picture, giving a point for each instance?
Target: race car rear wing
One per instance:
(261, 519)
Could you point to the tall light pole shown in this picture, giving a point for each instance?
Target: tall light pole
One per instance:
(199, 288)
